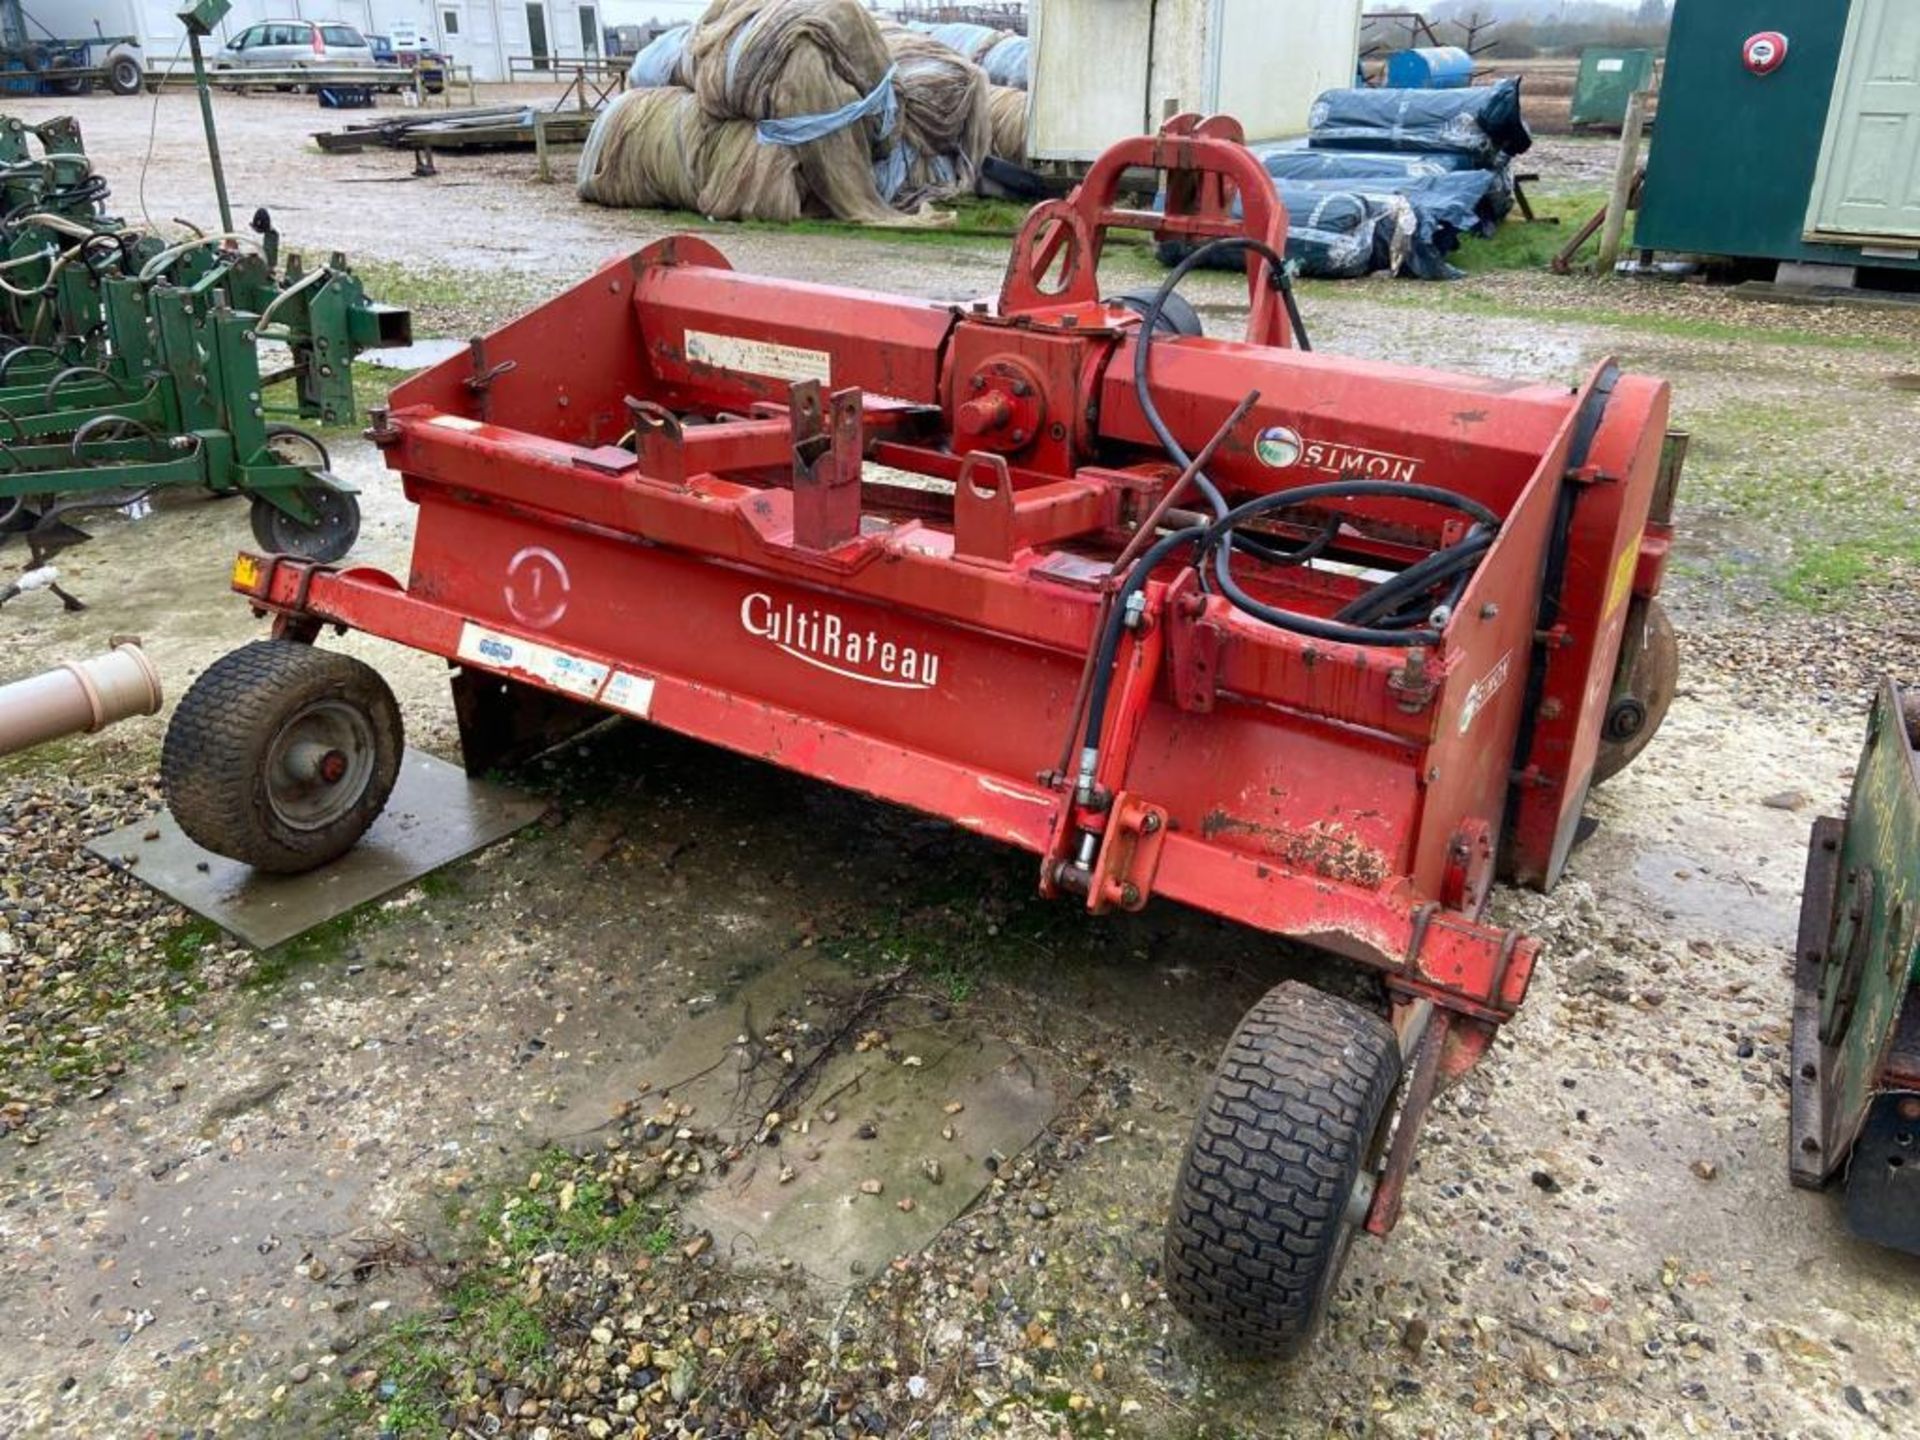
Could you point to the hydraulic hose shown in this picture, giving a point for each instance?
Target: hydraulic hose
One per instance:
(1384, 616)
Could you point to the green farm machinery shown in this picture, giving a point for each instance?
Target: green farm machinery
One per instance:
(133, 363)
(1856, 1013)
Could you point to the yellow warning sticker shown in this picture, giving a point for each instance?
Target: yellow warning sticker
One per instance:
(246, 573)
(1623, 573)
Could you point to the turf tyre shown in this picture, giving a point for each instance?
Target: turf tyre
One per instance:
(222, 770)
(1259, 1226)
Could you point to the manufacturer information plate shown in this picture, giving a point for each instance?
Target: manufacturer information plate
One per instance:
(758, 357)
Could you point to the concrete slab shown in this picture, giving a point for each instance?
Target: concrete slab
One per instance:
(436, 816)
(920, 1117)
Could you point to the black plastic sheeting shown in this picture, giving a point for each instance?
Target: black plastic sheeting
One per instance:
(1333, 233)
(1436, 169)
(1483, 121)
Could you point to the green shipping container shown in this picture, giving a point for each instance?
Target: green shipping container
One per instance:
(1609, 74)
(1816, 159)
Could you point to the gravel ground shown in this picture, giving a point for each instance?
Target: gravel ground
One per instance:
(404, 1177)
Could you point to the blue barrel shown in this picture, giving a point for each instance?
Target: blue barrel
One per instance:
(1433, 67)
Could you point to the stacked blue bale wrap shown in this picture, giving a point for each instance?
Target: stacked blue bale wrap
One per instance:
(1440, 157)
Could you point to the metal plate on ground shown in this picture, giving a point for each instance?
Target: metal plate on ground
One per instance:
(436, 816)
(922, 1119)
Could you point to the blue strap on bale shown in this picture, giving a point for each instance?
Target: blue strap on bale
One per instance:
(800, 129)
(657, 64)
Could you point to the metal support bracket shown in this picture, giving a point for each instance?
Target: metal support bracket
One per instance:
(1194, 644)
(826, 467)
(1129, 855)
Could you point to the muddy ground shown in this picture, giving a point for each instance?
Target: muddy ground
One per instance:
(277, 1195)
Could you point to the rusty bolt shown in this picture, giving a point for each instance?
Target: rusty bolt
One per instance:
(979, 382)
(1022, 388)
(1019, 437)
(1129, 895)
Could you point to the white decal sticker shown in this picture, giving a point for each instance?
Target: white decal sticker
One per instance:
(1484, 689)
(455, 422)
(1612, 66)
(537, 587)
(570, 673)
(1278, 447)
(824, 639)
(758, 357)
(631, 693)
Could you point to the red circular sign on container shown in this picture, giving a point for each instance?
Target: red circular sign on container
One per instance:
(1764, 53)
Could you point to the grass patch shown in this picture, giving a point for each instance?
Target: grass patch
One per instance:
(1518, 245)
(1825, 576)
(415, 1366)
(323, 945)
(566, 1207)
(1791, 496)
(181, 951)
(486, 1321)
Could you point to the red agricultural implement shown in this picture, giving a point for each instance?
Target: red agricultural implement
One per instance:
(1316, 644)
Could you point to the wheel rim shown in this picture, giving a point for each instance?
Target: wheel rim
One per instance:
(333, 522)
(319, 765)
(1650, 685)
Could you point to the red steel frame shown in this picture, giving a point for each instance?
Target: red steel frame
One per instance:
(733, 571)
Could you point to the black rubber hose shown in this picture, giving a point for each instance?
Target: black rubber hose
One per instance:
(1389, 595)
(1218, 540)
(1149, 331)
(1263, 548)
(1340, 629)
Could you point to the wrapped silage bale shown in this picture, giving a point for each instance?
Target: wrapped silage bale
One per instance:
(1483, 121)
(1009, 61)
(815, 76)
(643, 151)
(972, 41)
(945, 126)
(1007, 110)
(1332, 234)
(1005, 56)
(658, 149)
